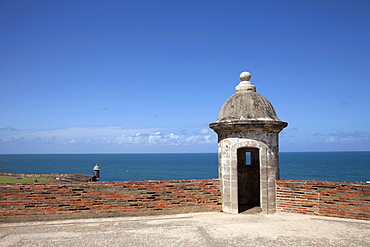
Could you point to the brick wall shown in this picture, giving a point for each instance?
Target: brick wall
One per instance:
(325, 198)
(45, 201)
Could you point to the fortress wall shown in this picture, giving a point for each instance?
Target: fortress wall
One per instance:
(324, 198)
(36, 175)
(47, 201)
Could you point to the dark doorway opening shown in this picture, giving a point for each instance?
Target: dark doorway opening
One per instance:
(248, 180)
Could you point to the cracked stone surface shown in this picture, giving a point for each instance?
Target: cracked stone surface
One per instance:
(200, 229)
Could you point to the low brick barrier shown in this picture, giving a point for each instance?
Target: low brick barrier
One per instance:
(36, 175)
(46, 201)
(324, 198)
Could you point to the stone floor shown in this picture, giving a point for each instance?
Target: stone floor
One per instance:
(199, 229)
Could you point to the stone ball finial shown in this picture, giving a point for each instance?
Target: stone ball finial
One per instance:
(245, 76)
(245, 84)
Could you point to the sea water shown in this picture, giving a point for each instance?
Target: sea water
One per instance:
(330, 166)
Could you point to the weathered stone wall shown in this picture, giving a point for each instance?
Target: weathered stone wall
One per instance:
(36, 175)
(325, 198)
(46, 201)
(267, 144)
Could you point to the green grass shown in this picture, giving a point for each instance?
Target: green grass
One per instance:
(23, 180)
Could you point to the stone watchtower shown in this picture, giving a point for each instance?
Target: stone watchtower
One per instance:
(248, 147)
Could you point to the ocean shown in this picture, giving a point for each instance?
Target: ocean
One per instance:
(330, 166)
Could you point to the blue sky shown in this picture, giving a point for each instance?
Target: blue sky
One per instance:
(149, 76)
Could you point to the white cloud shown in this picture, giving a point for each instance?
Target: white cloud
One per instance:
(203, 131)
(106, 136)
(126, 138)
(72, 141)
(161, 138)
(349, 136)
(331, 139)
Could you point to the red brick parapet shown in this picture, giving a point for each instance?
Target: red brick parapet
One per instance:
(324, 198)
(44, 201)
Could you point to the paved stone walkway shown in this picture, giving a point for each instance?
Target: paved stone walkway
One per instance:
(200, 229)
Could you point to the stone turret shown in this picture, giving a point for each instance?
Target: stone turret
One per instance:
(96, 172)
(248, 149)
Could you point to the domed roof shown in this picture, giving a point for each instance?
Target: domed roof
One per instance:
(246, 105)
